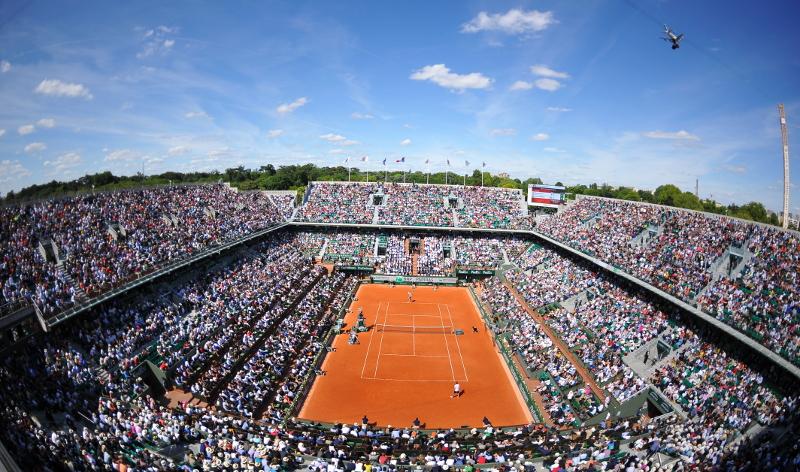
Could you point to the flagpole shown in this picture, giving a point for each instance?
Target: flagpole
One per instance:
(348, 173)
(481, 178)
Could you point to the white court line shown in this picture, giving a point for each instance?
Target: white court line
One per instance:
(466, 377)
(366, 356)
(412, 314)
(413, 336)
(447, 345)
(380, 346)
(415, 303)
(409, 380)
(411, 355)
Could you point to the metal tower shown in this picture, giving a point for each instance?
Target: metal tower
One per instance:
(785, 139)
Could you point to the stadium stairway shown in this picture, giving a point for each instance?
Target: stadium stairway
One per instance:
(572, 301)
(62, 272)
(647, 235)
(658, 352)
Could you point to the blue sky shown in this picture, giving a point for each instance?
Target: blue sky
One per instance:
(577, 91)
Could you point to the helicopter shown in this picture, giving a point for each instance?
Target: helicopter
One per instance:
(671, 37)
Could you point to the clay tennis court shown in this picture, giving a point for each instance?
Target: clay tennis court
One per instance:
(406, 364)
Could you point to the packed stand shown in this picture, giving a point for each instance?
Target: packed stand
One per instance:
(397, 259)
(764, 299)
(353, 248)
(285, 204)
(492, 207)
(681, 251)
(432, 261)
(153, 226)
(415, 205)
(338, 203)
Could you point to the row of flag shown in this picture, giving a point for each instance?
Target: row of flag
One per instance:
(403, 159)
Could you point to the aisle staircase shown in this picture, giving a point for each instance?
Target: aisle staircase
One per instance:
(80, 295)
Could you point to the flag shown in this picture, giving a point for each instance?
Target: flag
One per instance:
(402, 159)
(384, 162)
(448, 163)
(347, 160)
(364, 158)
(427, 161)
(466, 163)
(484, 164)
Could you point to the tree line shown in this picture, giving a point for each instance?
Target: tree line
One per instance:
(297, 177)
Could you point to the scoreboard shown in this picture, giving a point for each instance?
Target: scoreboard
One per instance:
(551, 196)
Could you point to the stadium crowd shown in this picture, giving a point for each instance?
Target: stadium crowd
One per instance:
(105, 239)
(415, 205)
(753, 288)
(245, 335)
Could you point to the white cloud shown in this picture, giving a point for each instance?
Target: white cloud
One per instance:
(405, 142)
(177, 150)
(540, 137)
(333, 138)
(157, 41)
(35, 147)
(678, 135)
(735, 169)
(26, 129)
(2, 133)
(361, 116)
(215, 154)
(521, 85)
(554, 149)
(551, 85)
(544, 71)
(559, 109)
(290, 107)
(5, 66)
(64, 162)
(441, 75)
(197, 114)
(57, 88)
(514, 21)
(122, 155)
(338, 139)
(274, 133)
(12, 170)
(46, 122)
(502, 132)
(336, 151)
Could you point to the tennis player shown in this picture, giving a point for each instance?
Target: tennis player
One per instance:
(410, 297)
(456, 390)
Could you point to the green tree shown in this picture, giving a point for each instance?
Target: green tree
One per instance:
(667, 194)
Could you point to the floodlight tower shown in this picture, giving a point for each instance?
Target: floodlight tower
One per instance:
(785, 139)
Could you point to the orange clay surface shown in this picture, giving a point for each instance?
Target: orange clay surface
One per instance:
(394, 375)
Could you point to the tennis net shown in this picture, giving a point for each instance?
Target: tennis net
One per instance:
(413, 329)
